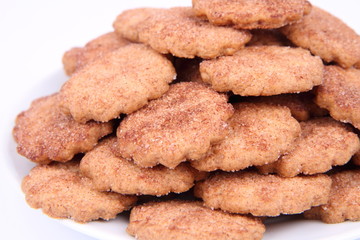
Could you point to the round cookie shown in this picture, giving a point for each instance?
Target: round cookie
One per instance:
(122, 81)
(61, 192)
(244, 14)
(326, 36)
(264, 71)
(323, 143)
(190, 220)
(162, 29)
(263, 195)
(76, 58)
(259, 134)
(340, 94)
(117, 174)
(180, 125)
(44, 134)
(344, 202)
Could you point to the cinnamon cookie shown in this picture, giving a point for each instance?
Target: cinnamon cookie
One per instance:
(45, 134)
(190, 220)
(162, 29)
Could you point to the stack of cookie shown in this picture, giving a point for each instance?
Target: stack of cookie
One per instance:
(246, 106)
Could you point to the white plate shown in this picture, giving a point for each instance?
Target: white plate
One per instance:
(33, 81)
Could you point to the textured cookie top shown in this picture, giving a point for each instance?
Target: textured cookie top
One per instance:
(326, 36)
(190, 220)
(62, 192)
(263, 195)
(44, 133)
(259, 134)
(344, 202)
(340, 94)
(76, 58)
(323, 143)
(179, 32)
(122, 81)
(109, 172)
(264, 71)
(245, 14)
(180, 125)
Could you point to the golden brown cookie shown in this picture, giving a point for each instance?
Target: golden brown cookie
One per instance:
(122, 81)
(190, 220)
(326, 36)
(76, 58)
(263, 195)
(43, 133)
(269, 37)
(117, 174)
(259, 134)
(180, 125)
(323, 143)
(244, 14)
(301, 105)
(61, 192)
(340, 94)
(344, 202)
(163, 28)
(264, 71)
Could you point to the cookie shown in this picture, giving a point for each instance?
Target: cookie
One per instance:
(269, 37)
(190, 220)
(323, 143)
(128, 77)
(301, 105)
(180, 125)
(61, 192)
(117, 174)
(340, 94)
(344, 202)
(76, 58)
(263, 195)
(264, 71)
(243, 14)
(43, 133)
(162, 29)
(259, 134)
(326, 36)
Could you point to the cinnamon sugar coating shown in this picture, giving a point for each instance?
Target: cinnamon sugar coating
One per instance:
(323, 143)
(43, 133)
(259, 134)
(190, 220)
(264, 71)
(263, 195)
(179, 32)
(180, 125)
(252, 14)
(344, 202)
(340, 94)
(122, 81)
(76, 58)
(326, 36)
(117, 174)
(61, 192)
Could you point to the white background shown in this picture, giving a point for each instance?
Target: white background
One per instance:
(33, 36)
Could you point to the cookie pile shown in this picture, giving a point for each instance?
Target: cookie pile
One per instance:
(250, 108)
